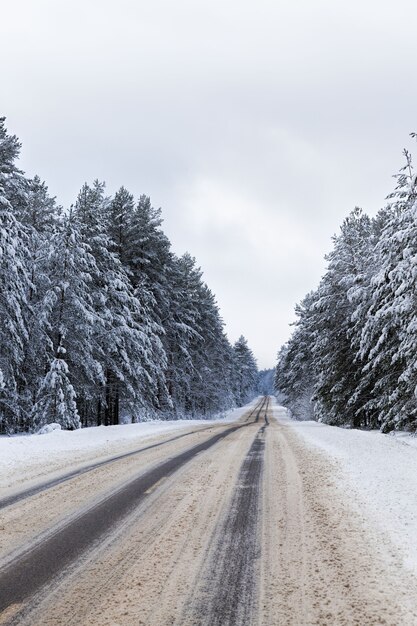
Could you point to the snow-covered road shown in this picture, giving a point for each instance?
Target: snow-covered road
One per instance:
(28, 458)
(240, 522)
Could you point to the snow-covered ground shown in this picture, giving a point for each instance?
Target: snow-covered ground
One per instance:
(33, 455)
(378, 474)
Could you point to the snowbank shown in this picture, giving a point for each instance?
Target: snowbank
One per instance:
(379, 472)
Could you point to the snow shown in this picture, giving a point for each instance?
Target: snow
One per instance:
(28, 456)
(48, 428)
(378, 474)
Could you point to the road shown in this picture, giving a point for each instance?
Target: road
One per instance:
(231, 524)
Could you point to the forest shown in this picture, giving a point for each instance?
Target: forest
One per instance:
(352, 358)
(100, 322)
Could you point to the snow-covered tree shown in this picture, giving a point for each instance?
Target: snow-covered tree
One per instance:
(68, 309)
(14, 283)
(100, 321)
(39, 211)
(340, 289)
(120, 212)
(55, 402)
(245, 372)
(266, 382)
(388, 340)
(295, 375)
(356, 338)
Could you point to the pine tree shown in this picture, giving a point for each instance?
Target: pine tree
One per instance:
(295, 374)
(14, 283)
(212, 357)
(126, 343)
(356, 337)
(69, 314)
(100, 321)
(182, 328)
(245, 372)
(388, 339)
(147, 255)
(333, 353)
(39, 212)
(55, 402)
(40, 217)
(120, 212)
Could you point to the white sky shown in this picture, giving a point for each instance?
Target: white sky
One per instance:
(257, 126)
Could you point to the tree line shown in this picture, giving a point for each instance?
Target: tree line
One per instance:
(100, 322)
(352, 358)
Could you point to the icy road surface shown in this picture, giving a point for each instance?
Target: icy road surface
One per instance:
(254, 521)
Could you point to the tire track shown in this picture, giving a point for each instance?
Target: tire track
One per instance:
(259, 408)
(227, 592)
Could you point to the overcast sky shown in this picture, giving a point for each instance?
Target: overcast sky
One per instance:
(257, 126)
